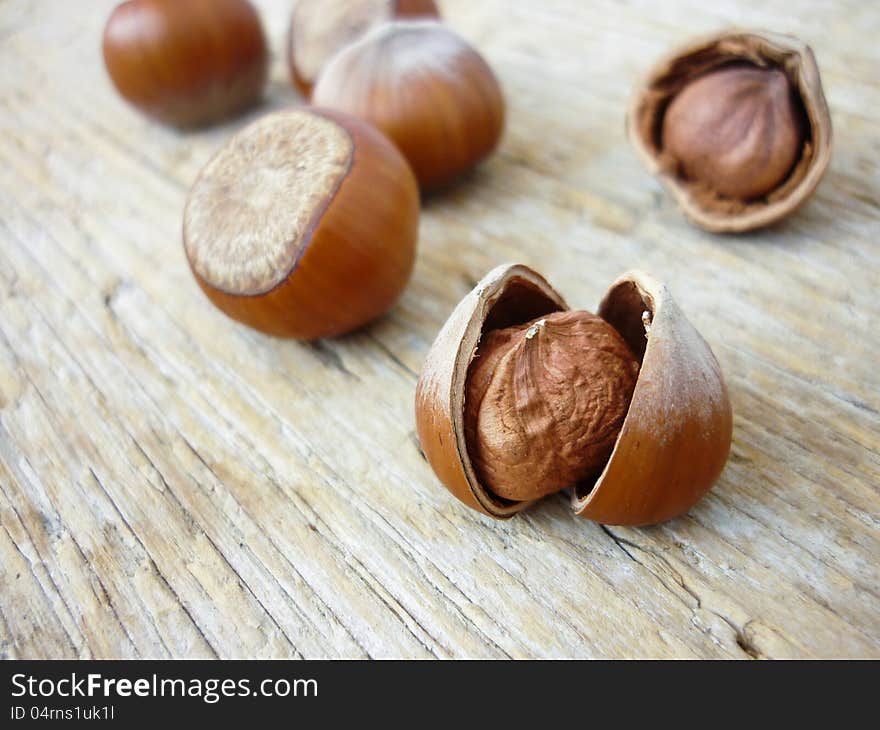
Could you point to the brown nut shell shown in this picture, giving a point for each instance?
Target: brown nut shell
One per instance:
(677, 433)
(427, 89)
(509, 294)
(187, 63)
(712, 211)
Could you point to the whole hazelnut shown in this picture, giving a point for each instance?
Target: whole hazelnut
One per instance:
(520, 397)
(321, 28)
(426, 88)
(736, 126)
(545, 401)
(186, 62)
(303, 225)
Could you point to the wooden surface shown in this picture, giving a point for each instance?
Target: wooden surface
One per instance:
(173, 484)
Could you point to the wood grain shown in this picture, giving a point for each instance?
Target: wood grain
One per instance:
(173, 484)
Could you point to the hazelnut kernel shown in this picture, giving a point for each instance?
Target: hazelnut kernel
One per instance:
(545, 401)
(737, 130)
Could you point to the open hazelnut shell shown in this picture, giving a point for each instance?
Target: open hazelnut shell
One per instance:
(675, 438)
(713, 212)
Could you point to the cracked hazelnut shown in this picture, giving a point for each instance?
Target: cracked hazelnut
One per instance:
(544, 402)
(520, 397)
(736, 125)
(426, 88)
(319, 29)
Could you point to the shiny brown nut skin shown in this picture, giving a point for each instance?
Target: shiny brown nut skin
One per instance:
(303, 225)
(738, 130)
(749, 198)
(545, 401)
(319, 29)
(427, 89)
(677, 432)
(186, 63)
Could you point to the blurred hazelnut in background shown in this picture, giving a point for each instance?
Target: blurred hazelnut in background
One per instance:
(187, 62)
(319, 29)
(426, 88)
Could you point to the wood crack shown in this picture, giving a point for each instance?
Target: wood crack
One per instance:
(352, 560)
(391, 356)
(323, 608)
(329, 357)
(36, 577)
(7, 639)
(415, 555)
(197, 526)
(742, 640)
(155, 567)
(819, 560)
(104, 596)
(170, 492)
(320, 346)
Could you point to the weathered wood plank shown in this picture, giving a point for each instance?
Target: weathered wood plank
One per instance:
(172, 484)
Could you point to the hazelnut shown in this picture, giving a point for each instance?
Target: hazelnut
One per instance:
(544, 402)
(304, 224)
(321, 28)
(738, 130)
(737, 126)
(499, 431)
(186, 63)
(426, 88)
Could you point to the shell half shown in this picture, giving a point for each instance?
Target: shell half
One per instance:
(677, 433)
